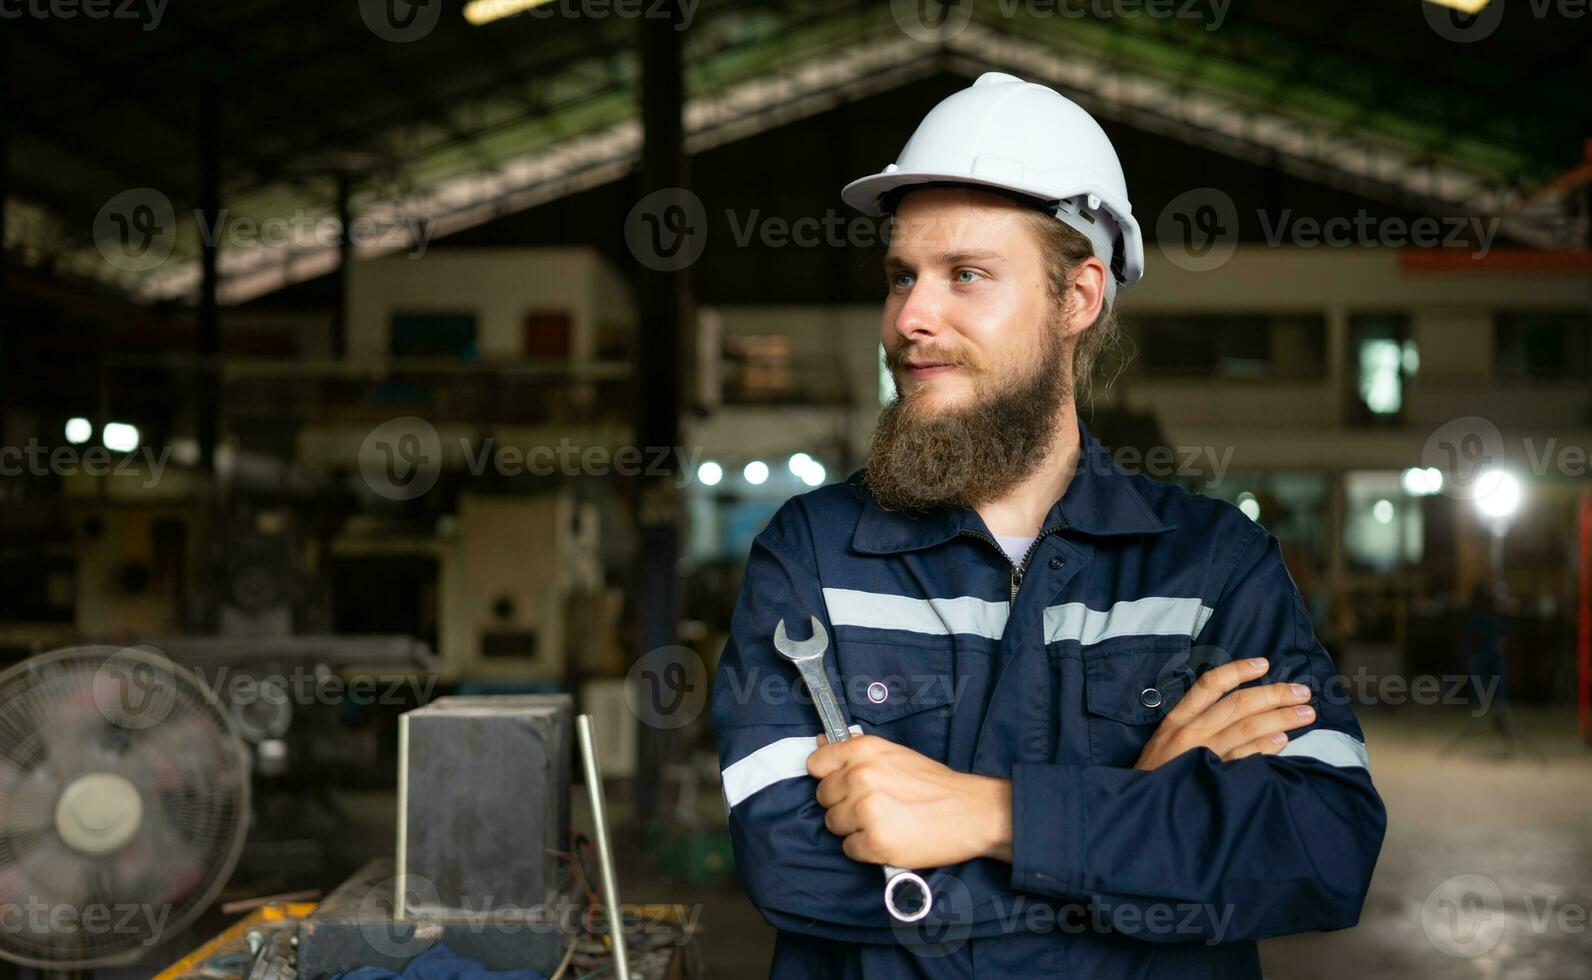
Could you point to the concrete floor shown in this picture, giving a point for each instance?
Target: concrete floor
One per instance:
(1486, 871)
(1487, 867)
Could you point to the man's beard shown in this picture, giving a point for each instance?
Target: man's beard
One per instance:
(966, 456)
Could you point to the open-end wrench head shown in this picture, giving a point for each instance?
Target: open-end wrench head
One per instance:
(811, 648)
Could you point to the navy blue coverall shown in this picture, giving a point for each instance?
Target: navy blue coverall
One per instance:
(1053, 675)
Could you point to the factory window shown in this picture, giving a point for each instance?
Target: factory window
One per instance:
(1382, 356)
(434, 335)
(1542, 344)
(1265, 347)
(1384, 527)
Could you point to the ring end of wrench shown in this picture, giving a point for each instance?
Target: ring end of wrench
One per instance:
(907, 896)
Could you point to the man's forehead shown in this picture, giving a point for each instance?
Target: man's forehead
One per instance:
(947, 234)
(953, 221)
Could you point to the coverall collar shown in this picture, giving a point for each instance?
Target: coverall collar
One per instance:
(1101, 500)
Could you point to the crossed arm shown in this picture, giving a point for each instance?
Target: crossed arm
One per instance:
(892, 805)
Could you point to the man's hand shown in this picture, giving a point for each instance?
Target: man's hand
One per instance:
(1251, 721)
(896, 806)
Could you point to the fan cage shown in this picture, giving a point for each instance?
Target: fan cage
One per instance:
(133, 712)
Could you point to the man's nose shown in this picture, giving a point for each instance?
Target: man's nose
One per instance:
(920, 315)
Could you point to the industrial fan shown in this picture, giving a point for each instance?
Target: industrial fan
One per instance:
(124, 803)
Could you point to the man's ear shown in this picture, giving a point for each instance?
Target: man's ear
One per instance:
(1086, 296)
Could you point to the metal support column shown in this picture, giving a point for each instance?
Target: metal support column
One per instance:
(207, 419)
(665, 301)
(345, 259)
(5, 184)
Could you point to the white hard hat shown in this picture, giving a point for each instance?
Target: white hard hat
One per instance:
(1006, 133)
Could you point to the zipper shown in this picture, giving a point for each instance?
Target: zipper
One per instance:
(1017, 568)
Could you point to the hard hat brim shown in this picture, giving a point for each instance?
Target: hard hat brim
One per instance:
(865, 193)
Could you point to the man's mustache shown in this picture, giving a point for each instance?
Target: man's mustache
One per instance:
(897, 359)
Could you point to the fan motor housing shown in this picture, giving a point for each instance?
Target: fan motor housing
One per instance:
(99, 813)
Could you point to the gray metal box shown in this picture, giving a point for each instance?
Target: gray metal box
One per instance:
(483, 801)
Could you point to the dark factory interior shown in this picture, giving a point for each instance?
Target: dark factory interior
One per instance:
(416, 416)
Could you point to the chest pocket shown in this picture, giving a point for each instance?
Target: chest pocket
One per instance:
(900, 692)
(1129, 686)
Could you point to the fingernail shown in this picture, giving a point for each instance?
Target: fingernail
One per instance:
(1305, 711)
(1279, 738)
(1258, 663)
(1300, 691)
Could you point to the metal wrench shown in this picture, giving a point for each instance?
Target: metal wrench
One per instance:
(906, 894)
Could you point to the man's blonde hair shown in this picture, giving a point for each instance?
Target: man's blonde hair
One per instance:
(1064, 249)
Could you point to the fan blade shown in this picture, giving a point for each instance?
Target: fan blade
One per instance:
(191, 742)
(14, 887)
(28, 805)
(55, 870)
(71, 744)
(159, 864)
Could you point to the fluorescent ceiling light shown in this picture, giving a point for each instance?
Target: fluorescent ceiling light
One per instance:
(1497, 494)
(1463, 6)
(120, 437)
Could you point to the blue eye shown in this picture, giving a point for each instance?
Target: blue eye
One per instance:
(901, 279)
(965, 272)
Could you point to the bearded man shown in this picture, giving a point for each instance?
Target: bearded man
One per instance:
(1090, 709)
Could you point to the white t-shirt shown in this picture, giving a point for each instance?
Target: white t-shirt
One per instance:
(1015, 545)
